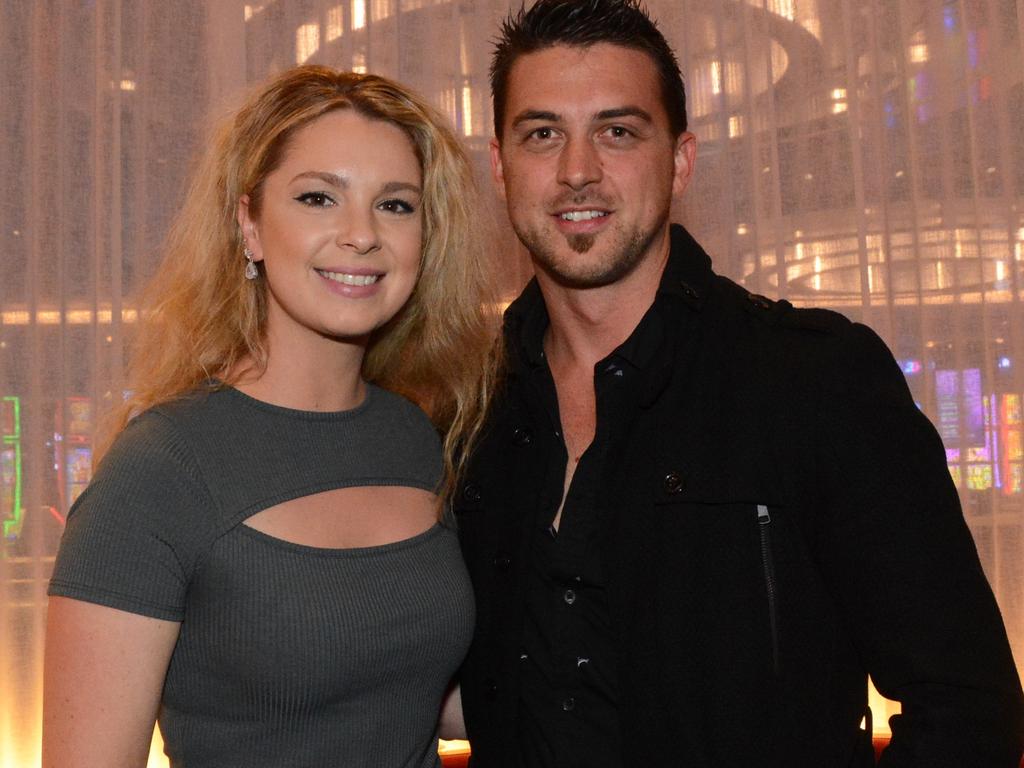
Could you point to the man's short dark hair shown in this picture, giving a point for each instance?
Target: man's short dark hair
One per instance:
(583, 23)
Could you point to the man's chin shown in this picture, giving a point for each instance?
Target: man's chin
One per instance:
(579, 261)
(581, 243)
(580, 276)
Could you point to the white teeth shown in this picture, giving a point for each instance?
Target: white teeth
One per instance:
(347, 279)
(583, 215)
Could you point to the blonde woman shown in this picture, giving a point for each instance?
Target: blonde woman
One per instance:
(258, 562)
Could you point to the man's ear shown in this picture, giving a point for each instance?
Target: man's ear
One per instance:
(685, 159)
(497, 171)
(250, 232)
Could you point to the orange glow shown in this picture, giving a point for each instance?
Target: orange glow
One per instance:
(71, 316)
(881, 710)
(22, 750)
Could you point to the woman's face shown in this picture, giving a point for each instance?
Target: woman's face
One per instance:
(339, 229)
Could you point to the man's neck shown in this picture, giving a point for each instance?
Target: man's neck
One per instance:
(587, 324)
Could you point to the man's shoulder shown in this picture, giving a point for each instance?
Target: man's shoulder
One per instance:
(778, 314)
(690, 276)
(798, 342)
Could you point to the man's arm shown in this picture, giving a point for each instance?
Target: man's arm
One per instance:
(904, 568)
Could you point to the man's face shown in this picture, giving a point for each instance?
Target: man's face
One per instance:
(588, 164)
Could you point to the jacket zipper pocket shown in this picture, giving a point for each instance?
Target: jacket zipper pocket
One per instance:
(764, 519)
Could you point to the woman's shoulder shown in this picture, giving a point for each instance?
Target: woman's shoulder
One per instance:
(150, 459)
(395, 416)
(398, 438)
(388, 404)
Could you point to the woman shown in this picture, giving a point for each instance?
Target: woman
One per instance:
(258, 559)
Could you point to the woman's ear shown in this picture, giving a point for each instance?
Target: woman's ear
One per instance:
(247, 225)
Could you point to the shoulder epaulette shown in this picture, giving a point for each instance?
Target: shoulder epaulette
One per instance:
(781, 312)
(754, 303)
(814, 319)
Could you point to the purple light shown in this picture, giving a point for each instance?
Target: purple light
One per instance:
(947, 386)
(972, 49)
(949, 17)
(910, 367)
(890, 113)
(974, 416)
(1004, 363)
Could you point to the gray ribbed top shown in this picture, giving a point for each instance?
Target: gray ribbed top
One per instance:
(288, 655)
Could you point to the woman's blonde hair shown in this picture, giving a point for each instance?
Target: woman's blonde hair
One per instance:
(204, 322)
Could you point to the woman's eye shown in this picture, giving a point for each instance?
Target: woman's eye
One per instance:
(397, 206)
(315, 199)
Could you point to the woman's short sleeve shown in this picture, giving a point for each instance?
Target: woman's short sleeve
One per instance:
(133, 536)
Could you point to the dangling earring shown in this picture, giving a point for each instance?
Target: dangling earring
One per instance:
(250, 267)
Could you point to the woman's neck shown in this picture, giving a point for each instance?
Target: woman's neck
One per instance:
(318, 374)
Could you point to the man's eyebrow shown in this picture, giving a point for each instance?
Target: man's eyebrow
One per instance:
(530, 115)
(535, 114)
(331, 178)
(611, 114)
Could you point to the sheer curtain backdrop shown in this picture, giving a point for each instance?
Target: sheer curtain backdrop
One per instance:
(863, 155)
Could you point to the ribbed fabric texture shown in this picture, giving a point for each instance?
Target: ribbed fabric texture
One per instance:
(288, 655)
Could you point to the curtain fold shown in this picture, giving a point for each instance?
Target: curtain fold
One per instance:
(861, 155)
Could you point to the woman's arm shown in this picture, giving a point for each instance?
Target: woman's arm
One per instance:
(451, 725)
(103, 674)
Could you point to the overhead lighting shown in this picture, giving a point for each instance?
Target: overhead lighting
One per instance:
(69, 317)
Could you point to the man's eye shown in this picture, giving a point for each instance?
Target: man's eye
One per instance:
(619, 132)
(542, 133)
(397, 206)
(315, 199)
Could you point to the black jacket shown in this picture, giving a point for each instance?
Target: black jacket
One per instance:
(782, 524)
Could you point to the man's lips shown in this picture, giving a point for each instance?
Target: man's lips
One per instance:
(585, 214)
(581, 220)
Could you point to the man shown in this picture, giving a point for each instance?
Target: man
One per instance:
(697, 519)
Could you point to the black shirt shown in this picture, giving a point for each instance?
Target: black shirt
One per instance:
(568, 714)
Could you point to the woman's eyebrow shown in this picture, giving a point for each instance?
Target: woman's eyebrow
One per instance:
(331, 178)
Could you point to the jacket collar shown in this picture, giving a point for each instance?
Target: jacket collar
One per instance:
(687, 277)
(688, 272)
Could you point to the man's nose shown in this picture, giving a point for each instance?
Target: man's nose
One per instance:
(579, 164)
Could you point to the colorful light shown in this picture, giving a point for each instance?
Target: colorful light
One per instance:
(11, 466)
(910, 367)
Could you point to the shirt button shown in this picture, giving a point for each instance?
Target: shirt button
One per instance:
(569, 596)
(688, 290)
(472, 493)
(502, 562)
(568, 704)
(673, 482)
(522, 436)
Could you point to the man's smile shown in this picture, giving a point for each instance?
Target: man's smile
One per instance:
(582, 215)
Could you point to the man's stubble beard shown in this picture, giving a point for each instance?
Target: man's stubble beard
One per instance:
(626, 251)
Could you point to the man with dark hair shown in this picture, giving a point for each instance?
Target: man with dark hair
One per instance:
(697, 519)
(582, 24)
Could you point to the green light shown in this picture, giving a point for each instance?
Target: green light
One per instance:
(12, 441)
